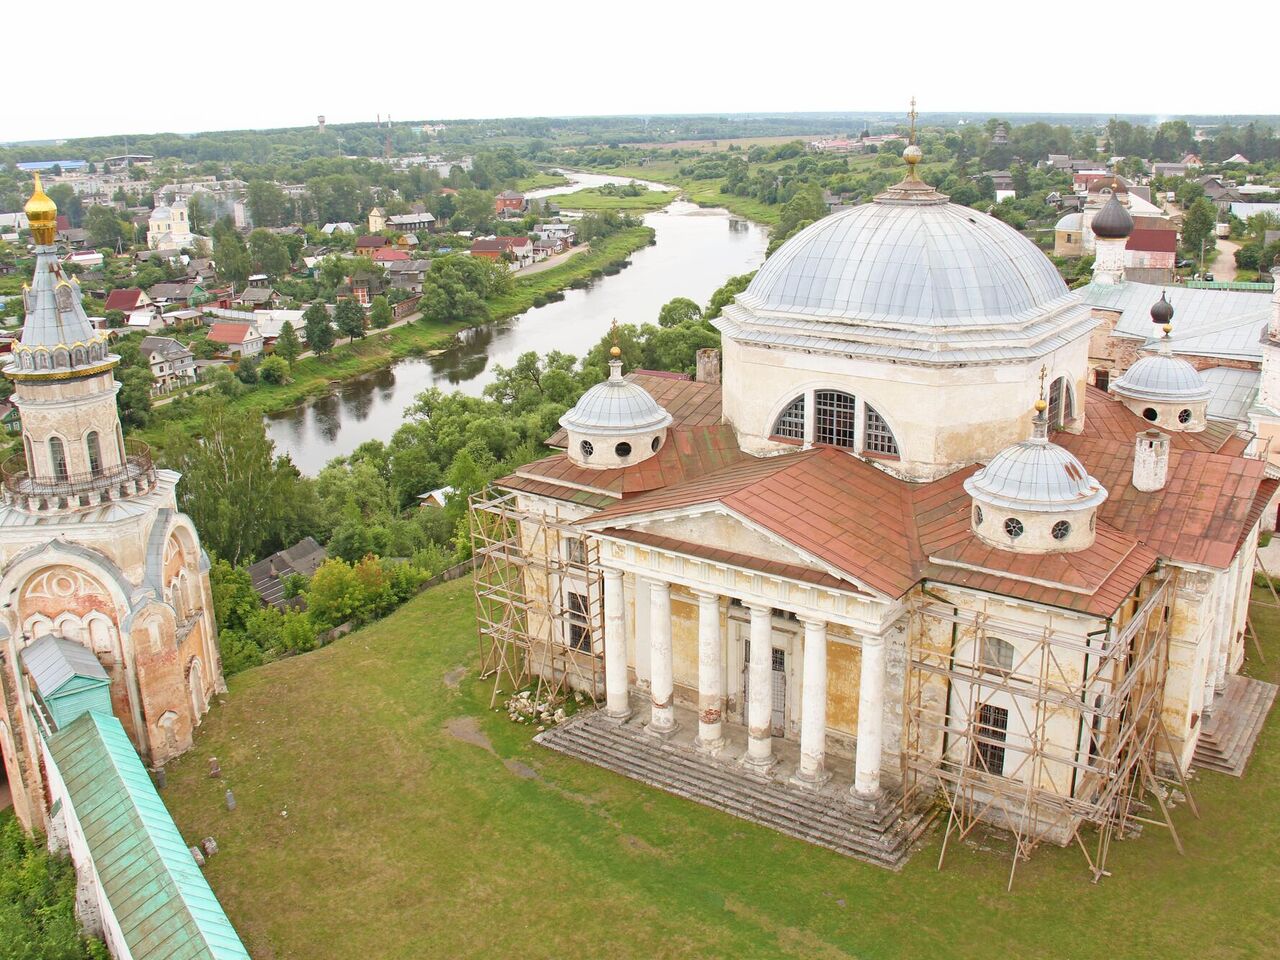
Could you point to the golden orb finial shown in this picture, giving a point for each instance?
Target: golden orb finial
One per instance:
(615, 351)
(1041, 406)
(42, 215)
(1168, 329)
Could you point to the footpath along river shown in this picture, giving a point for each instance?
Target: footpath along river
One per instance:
(697, 249)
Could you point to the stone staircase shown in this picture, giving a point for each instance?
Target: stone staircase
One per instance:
(1232, 728)
(881, 835)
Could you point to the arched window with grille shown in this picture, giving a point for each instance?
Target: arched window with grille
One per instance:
(58, 458)
(1061, 405)
(790, 422)
(997, 654)
(877, 437)
(834, 421)
(94, 449)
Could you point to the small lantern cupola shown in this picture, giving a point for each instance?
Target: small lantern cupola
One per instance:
(1035, 496)
(1165, 390)
(616, 423)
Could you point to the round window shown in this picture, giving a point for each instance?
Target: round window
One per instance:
(1060, 530)
(977, 515)
(623, 449)
(655, 444)
(587, 449)
(1150, 414)
(1013, 527)
(1184, 416)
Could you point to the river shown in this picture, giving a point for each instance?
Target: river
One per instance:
(696, 251)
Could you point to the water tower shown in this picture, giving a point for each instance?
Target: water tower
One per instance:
(320, 123)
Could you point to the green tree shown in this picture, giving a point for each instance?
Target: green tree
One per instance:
(1198, 224)
(115, 319)
(197, 213)
(380, 314)
(244, 500)
(230, 253)
(267, 204)
(349, 318)
(38, 901)
(335, 595)
(287, 344)
(319, 329)
(133, 401)
(69, 203)
(724, 296)
(268, 254)
(274, 369)
(677, 311)
(104, 227)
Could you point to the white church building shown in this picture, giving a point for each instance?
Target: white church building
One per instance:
(894, 546)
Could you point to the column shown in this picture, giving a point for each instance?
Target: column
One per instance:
(710, 674)
(1227, 634)
(760, 695)
(662, 716)
(813, 707)
(866, 765)
(617, 704)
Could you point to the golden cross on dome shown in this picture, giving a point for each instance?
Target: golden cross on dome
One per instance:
(1044, 371)
(912, 115)
(615, 350)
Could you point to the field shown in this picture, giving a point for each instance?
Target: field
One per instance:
(591, 200)
(384, 811)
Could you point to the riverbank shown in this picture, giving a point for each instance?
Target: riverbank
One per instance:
(316, 376)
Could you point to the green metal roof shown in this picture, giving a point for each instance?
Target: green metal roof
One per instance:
(1228, 285)
(67, 677)
(164, 904)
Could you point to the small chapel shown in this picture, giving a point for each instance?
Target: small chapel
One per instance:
(105, 603)
(891, 552)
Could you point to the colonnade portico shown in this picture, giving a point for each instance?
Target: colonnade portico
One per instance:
(758, 758)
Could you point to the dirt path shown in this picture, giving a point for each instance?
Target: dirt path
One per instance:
(554, 261)
(1224, 267)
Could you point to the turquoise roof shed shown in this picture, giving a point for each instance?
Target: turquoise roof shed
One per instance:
(67, 677)
(162, 902)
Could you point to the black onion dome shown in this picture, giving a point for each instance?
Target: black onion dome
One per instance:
(1112, 222)
(1162, 312)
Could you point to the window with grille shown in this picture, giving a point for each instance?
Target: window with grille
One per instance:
(1102, 379)
(790, 422)
(575, 550)
(1060, 407)
(990, 732)
(997, 654)
(833, 420)
(58, 458)
(579, 623)
(879, 438)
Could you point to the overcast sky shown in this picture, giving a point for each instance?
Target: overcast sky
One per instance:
(144, 66)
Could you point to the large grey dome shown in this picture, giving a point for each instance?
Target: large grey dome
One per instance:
(909, 264)
(1035, 475)
(1112, 222)
(615, 408)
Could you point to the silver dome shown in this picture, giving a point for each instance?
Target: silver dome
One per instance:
(1038, 476)
(926, 266)
(1162, 378)
(615, 407)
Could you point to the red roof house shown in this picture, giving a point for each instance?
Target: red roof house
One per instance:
(370, 242)
(387, 255)
(127, 300)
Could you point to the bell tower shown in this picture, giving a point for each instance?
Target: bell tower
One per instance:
(93, 549)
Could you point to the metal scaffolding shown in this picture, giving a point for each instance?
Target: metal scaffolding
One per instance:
(539, 600)
(1105, 691)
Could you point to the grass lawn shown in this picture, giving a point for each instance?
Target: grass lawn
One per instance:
(543, 178)
(591, 200)
(403, 839)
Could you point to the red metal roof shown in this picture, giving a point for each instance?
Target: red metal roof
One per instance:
(229, 332)
(1153, 241)
(123, 299)
(889, 534)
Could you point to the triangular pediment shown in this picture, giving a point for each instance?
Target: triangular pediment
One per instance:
(729, 532)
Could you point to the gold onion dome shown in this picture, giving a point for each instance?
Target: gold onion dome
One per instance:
(42, 215)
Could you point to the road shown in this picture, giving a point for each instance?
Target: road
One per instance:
(553, 261)
(1224, 267)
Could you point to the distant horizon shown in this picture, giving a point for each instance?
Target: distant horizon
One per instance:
(85, 70)
(880, 116)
